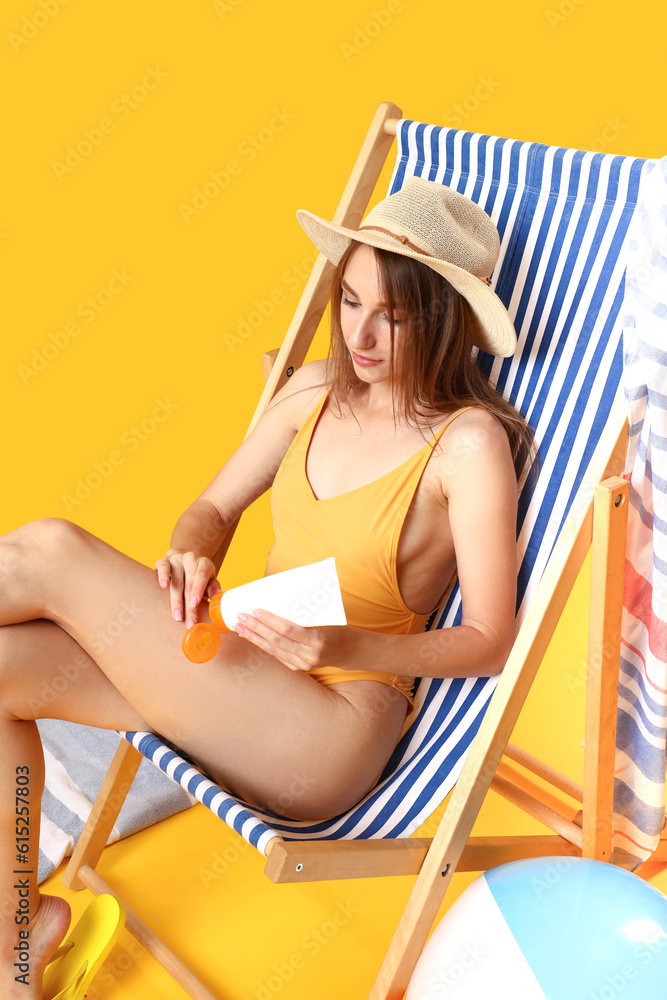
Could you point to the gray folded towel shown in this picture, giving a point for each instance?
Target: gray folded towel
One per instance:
(77, 759)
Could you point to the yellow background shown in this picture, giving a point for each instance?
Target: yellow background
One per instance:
(588, 74)
(227, 69)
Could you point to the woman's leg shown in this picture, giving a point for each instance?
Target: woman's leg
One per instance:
(273, 736)
(39, 665)
(247, 719)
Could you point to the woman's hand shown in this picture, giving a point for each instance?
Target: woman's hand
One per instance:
(297, 647)
(190, 578)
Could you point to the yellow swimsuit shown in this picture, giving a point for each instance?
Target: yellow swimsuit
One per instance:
(361, 528)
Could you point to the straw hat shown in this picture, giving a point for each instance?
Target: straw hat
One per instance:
(446, 231)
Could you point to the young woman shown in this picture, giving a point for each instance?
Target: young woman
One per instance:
(394, 455)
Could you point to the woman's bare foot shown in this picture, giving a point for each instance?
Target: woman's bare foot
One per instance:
(47, 929)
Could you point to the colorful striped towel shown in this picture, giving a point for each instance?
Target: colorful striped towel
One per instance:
(639, 791)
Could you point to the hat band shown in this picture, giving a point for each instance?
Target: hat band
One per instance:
(406, 242)
(402, 239)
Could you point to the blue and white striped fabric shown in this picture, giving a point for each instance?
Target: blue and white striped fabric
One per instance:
(639, 786)
(562, 215)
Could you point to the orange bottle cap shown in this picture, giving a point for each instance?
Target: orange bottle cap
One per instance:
(214, 611)
(200, 643)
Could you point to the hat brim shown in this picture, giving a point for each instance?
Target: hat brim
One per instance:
(494, 331)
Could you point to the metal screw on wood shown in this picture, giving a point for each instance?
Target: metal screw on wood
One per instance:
(299, 866)
(445, 870)
(290, 371)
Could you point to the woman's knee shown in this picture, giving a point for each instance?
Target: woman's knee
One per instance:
(27, 555)
(44, 538)
(47, 533)
(52, 533)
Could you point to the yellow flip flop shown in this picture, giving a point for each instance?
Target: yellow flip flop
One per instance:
(75, 963)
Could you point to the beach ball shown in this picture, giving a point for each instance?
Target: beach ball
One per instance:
(549, 929)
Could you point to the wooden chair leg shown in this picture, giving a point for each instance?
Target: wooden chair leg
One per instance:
(104, 813)
(604, 646)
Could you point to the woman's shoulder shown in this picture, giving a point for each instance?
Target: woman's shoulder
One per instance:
(477, 419)
(464, 421)
(302, 391)
(311, 372)
(474, 441)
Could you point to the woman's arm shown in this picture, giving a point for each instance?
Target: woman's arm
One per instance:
(196, 548)
(200, 529)
(479, 486)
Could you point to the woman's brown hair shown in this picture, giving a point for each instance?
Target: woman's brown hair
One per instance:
(437, 368)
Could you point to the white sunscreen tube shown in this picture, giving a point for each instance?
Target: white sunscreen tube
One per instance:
(306, 595)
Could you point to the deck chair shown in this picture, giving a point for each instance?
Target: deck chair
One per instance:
(562, 216)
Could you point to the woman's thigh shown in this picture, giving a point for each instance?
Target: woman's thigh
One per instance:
(262, 730)
(45, 674)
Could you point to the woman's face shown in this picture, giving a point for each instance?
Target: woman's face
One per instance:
(364, 318)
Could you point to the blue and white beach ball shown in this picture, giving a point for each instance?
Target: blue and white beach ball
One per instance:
(554, 928)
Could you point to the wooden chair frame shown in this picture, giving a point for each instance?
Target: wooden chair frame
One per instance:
(582, 827)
